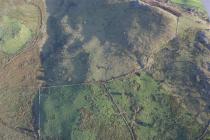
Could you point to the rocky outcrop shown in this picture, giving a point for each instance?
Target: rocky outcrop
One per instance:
(202, 38)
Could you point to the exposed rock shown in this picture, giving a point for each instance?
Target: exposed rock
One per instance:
(69, 79)
(201, 36)
(208, 66)
(198, 46)
(207, 109)
(190, 10)
(208, 46)
(135, 4)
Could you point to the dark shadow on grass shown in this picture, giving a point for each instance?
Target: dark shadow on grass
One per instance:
(48, 105)
(96, 18)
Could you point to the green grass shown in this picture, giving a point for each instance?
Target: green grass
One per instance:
(85, 112)
(79, 113)
(162, 116)
(190, 3)
(14, 35)
(180, 70)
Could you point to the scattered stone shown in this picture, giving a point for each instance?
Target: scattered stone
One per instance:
(136, 108)
(198, 78)
(69, 79)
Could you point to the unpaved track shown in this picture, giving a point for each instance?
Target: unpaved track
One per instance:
(119, 110)
(96, 82)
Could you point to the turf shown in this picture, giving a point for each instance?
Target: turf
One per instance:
(190, 3)
(159, 109)
(85, 112)
(79, 112)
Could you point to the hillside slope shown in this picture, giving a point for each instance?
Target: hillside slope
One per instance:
(97, 40)
(105, 69)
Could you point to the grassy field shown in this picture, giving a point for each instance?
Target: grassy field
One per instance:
(97, 40)
(190, 3)
(78, 113)
(159, 110)
(85, 112)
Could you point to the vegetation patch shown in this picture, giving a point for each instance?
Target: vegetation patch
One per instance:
(190, 3)
(19, 22)
(13, 35)
(87, 112)
(78, 113)
(153, 113)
